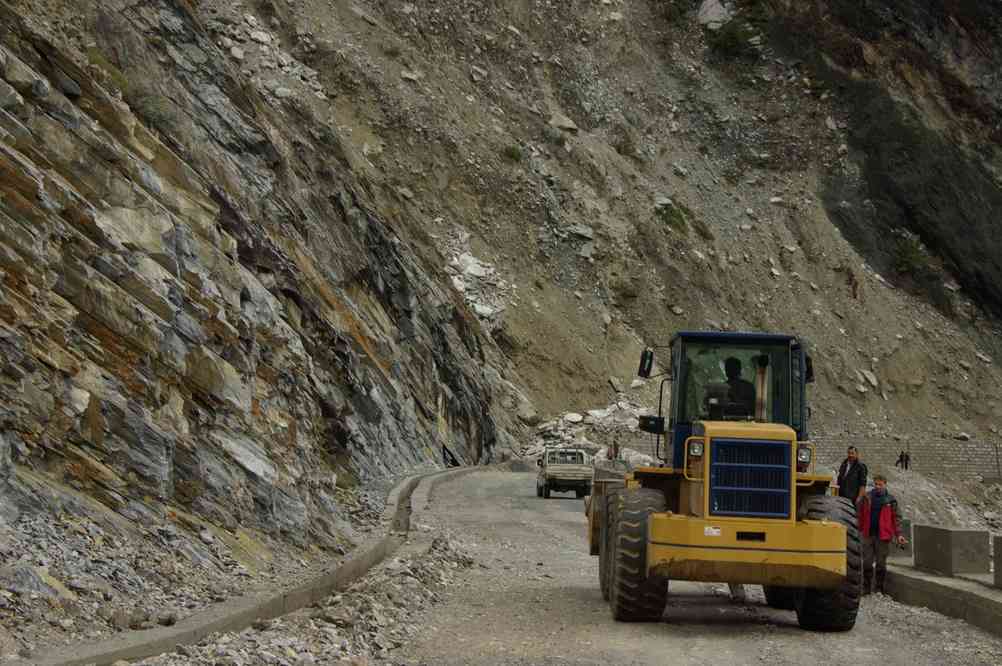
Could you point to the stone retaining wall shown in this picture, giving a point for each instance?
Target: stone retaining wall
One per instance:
(938, 456)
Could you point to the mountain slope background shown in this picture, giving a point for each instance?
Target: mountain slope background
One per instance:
(592, 177)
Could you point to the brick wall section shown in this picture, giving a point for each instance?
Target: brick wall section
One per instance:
(937, 456)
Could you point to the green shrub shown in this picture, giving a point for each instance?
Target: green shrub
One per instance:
(98, 59)
(512, 153)
(910, 257)
(674, 11)
(152, 107)
(675, 215)
(680, 217)
(731, 39)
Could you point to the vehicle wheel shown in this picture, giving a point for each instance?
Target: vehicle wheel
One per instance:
(834, 610)
(546, 491)
(783, 598)
(635, 597)
(607, 506)
(579, 493)
(539, 490)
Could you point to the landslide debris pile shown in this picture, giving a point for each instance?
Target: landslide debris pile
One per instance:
(596, 431)
(69, 578)
(372, 617)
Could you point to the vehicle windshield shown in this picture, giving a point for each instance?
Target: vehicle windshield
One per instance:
(566, 458)
(735, 382)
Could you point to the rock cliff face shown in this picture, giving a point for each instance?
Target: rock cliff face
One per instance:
(921, 94)
(200, 306)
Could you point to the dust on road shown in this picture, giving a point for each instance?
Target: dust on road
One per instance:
(535, 600)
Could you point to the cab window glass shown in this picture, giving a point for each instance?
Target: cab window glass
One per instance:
(728, 382)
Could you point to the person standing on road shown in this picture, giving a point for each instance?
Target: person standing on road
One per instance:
(852, 476)
(879, 524)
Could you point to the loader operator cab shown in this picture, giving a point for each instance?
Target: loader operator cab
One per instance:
(724, 376)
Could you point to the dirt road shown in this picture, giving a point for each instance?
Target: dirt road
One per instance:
(534, 599)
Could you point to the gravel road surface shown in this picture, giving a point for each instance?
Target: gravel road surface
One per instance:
(534, 599)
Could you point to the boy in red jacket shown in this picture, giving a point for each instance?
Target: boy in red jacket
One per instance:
(879, 524)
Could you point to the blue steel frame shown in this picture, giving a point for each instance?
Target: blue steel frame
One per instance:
(745, 337)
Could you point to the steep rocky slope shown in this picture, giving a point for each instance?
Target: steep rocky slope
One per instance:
(921, 92)
(628, 172)
(202, 306)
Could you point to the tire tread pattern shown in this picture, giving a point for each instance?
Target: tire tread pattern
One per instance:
(605, 543)
(634, 596)
(834, 610)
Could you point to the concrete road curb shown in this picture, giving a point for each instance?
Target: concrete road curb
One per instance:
(237, 614)
(967, 600)
(419, 541)
(422, 495)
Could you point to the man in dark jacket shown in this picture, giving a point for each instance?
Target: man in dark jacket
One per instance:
(879, 524)
(852, 476)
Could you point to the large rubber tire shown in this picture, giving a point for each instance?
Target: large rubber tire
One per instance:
(546, 490)
(539, 490)
(783, 598)
(579, 492)
(834, 610)
(634, 596)
(608, 507)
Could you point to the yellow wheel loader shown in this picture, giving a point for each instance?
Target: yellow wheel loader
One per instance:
(734, 498)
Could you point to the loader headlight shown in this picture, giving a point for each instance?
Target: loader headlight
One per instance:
(804, 455)
(696, 449)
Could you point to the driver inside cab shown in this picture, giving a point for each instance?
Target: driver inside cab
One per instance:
(741, 392)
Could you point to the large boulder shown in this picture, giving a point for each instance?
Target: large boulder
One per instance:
(713, 14)
(217, 378)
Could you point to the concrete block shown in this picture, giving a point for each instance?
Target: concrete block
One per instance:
(950, 551)
(997, 549)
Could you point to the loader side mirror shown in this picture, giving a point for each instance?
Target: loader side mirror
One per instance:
(809, 371)
(539, 462)
(652, 424)
(646, 363)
